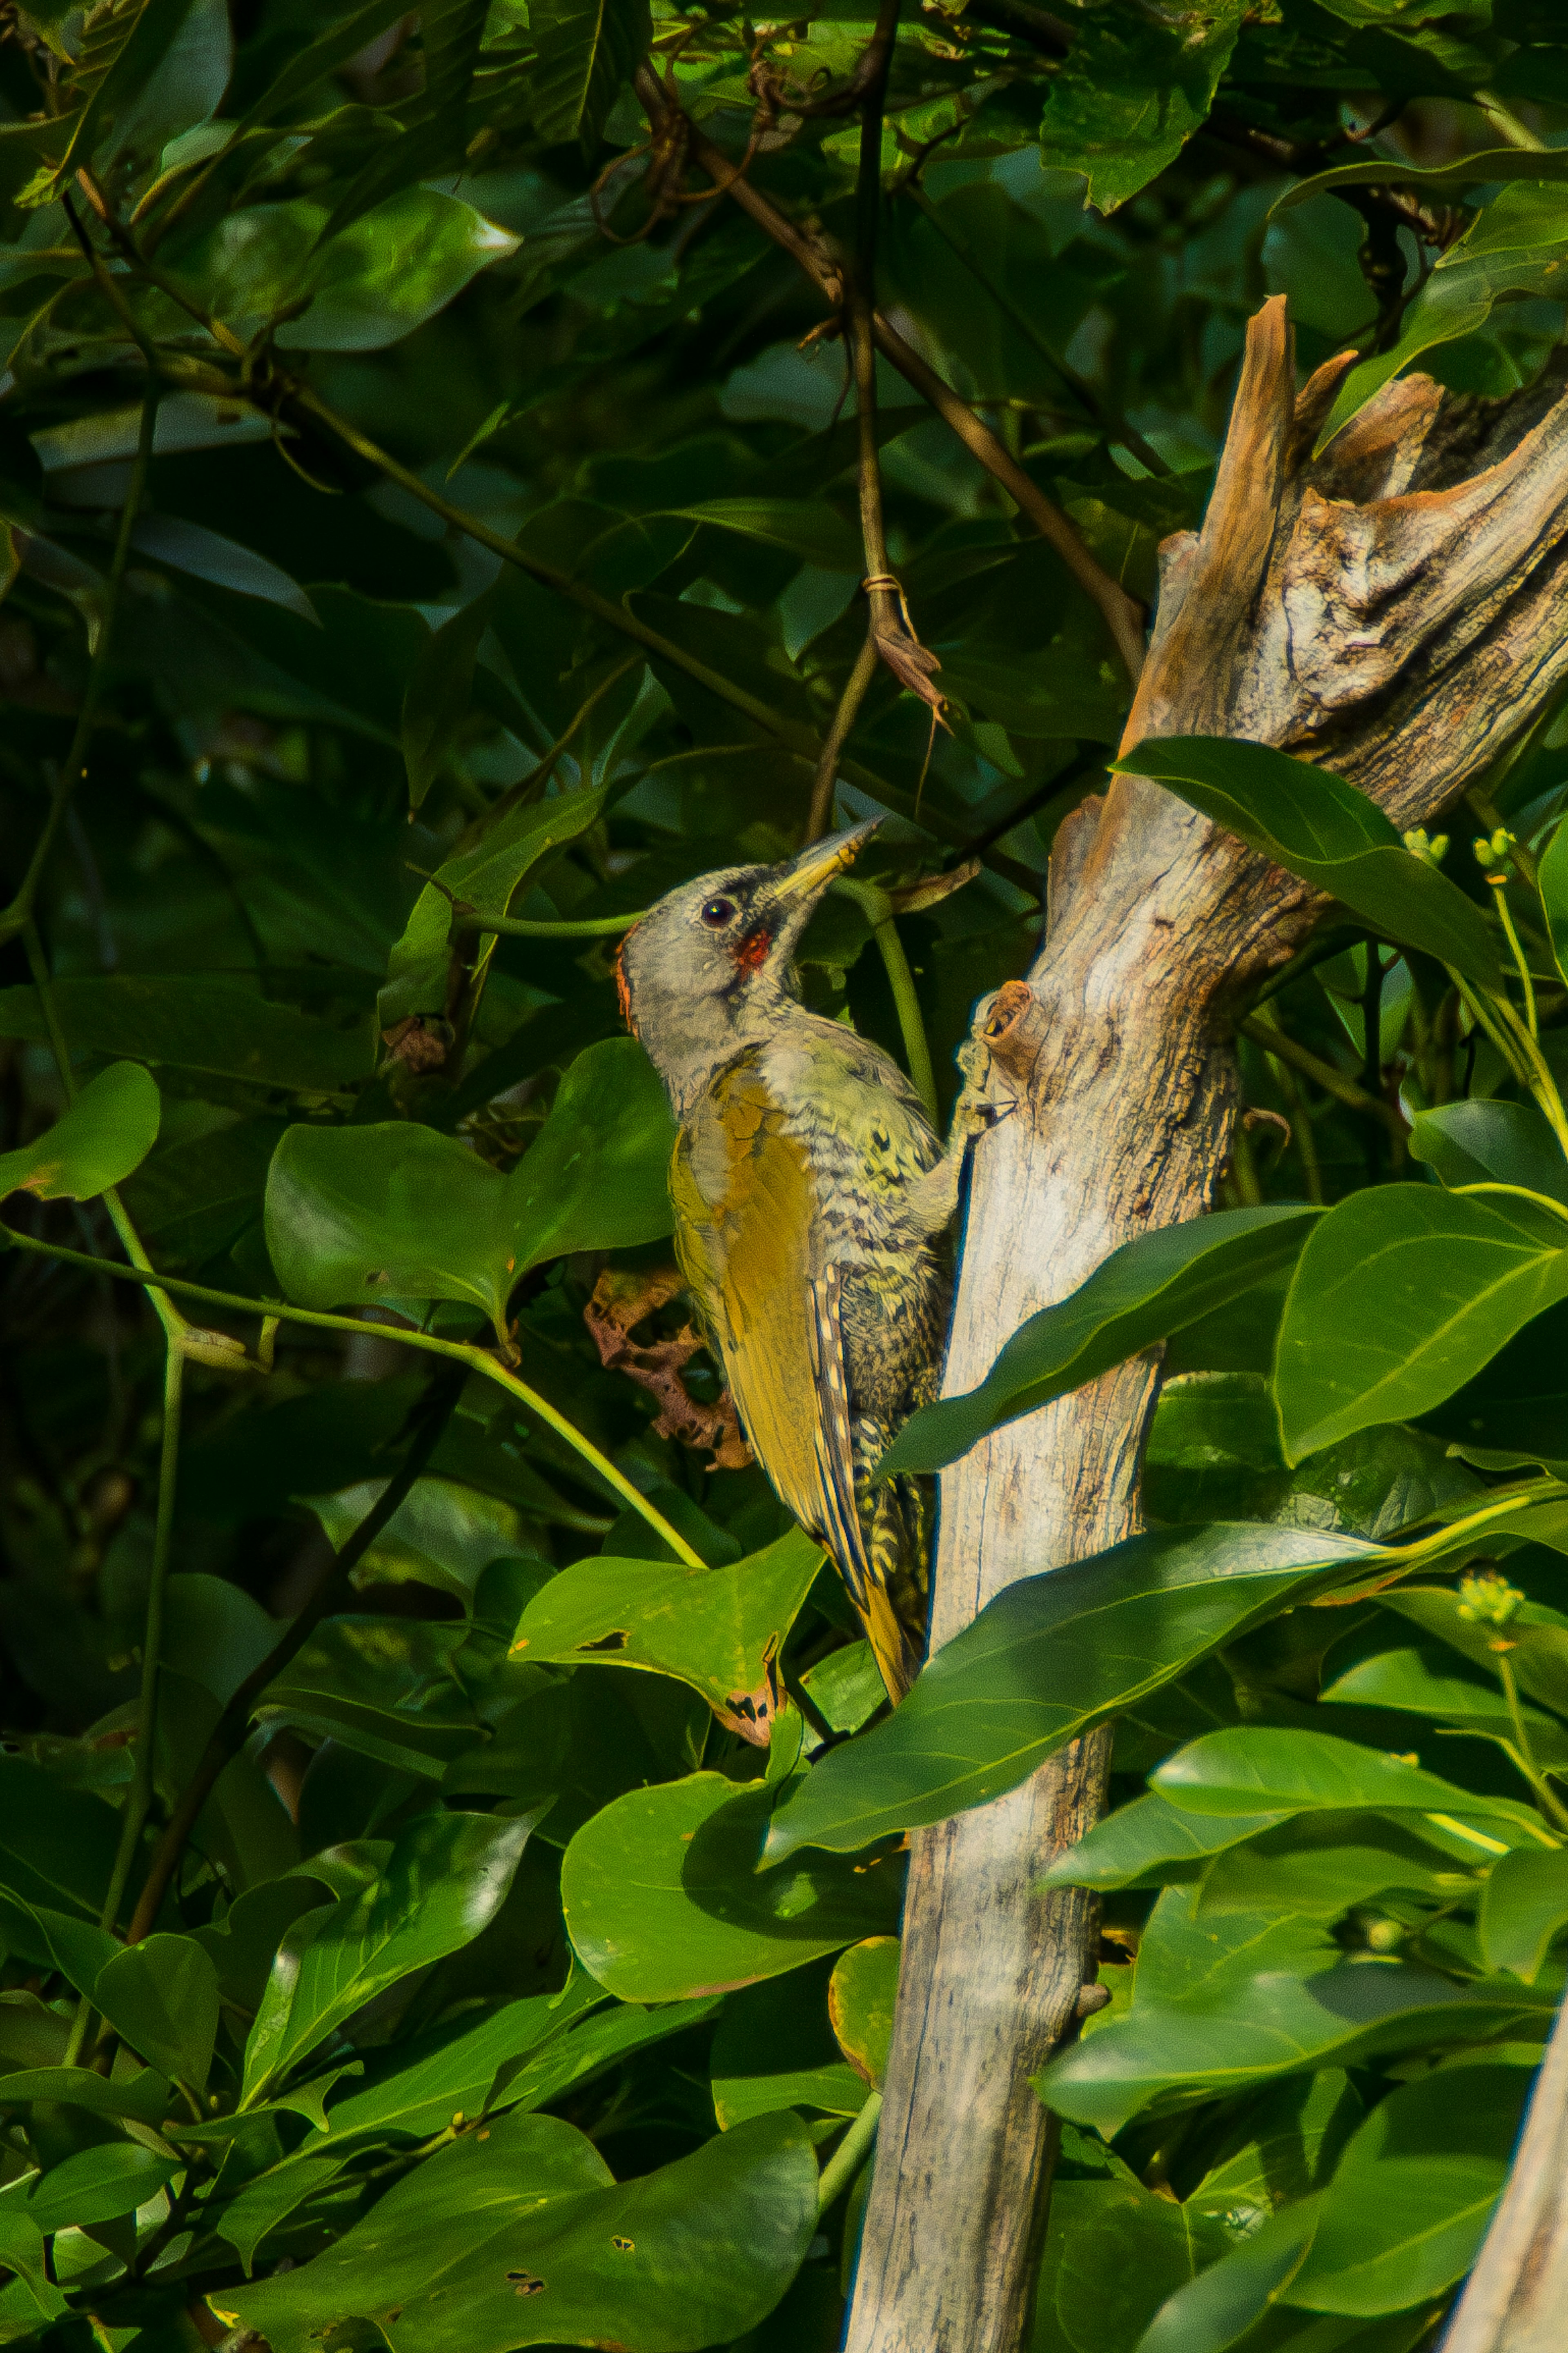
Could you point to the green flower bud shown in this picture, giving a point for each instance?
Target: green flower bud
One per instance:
(1489, 1600)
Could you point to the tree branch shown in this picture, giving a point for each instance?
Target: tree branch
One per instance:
(1123, 614)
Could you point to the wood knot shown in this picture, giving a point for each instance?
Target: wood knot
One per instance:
(1090, 1998)
(1008, 1006)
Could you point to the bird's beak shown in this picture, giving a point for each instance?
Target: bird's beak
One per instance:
(806, 876)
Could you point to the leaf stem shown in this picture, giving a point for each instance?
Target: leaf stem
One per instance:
(477, 1359)
(1325, 1074)
(850, 2154)
(820, 819)
(1545, 1795)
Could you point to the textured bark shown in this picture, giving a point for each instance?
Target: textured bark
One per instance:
(1517, 2297)
(1396, 610)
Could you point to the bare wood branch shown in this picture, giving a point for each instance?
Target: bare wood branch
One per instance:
(1517, 2292)
(1397, 611)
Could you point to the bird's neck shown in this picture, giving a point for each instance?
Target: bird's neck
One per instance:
(691, 1039)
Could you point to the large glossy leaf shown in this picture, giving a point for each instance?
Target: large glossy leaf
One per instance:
(1536, 1635)
(719, 1630)
(524, 2055)
(1149, 1288)
(1322, 828)
(1402, 1294)
(1513, 247)
(1524, 1906)
(1425, 1679)
(587, 48)
(861, 1994)
(663, 1898)
(1408, 2207)
(1152, 1843)
(1219, 2309)
(1047, 1659)
(484, 878)
(389, 272)
(522, 2237)
(107, 1133)
(1256, 1769)
(434, 1889)
(1133, 91)
(57, 1844)
(1482, 1143)
(162, 1995)
(395, 1211)
(774, 2049)
(94, 2185)
(1225, 2003)
(1552, 877)
(219, 1028)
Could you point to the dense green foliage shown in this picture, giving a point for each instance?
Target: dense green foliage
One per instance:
(428, 529)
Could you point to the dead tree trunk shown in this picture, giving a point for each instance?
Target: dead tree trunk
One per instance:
(1517, 2296)
(1396, 611)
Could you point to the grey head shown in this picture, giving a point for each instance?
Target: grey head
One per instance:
(709, 970)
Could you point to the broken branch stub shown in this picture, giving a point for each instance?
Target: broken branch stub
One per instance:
(1395, 609)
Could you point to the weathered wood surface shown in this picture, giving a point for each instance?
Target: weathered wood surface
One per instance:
(1397, 611)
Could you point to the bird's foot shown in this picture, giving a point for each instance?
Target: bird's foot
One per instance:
(985, 1099)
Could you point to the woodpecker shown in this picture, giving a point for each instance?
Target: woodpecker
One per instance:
(808, 1187)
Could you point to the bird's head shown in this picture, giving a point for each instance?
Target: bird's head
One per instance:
(705, 968)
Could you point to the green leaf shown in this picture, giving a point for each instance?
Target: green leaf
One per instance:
(436, 701)
(719, 1630)
(1150, 1287)
(845, 1688)
(1408, 2207)
(861, 1994)
(587, 49)
(133, 48)
(1514, 247)
(442, 1879)
(397, 1211)
(1482, 169)
(218, 1028)
(1254, 1769)
(524, 2055)
(1482, 1143)
(57, 1845)
(774, 2048)
(94, 2185)
(1151, 1843)
(1553, 878)
(804, 527)
(1217, 2310)
(390, 270)
(1537, 1638)
(207, 556)
(1524, 1906)
(1400, 1296)
(1133, 91)
(1320, 1865)
(1423, 1679)
(1047, 1659)
(1115, 2252)
(108, 1132)
(1223, 2003)
(1278, 2147)
(145, 2097)
(55, 1940)
(486, 878)
(523, 2238)
(444, 1534)
(162, 1996)
(663, 1900)
(312, 63)
(1313, 823)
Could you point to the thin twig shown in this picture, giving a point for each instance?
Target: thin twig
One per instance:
(820, 819)
(1323, 1074)
(228, 1735)
(1123, 617)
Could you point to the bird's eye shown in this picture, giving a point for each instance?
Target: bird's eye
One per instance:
(717, 912)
